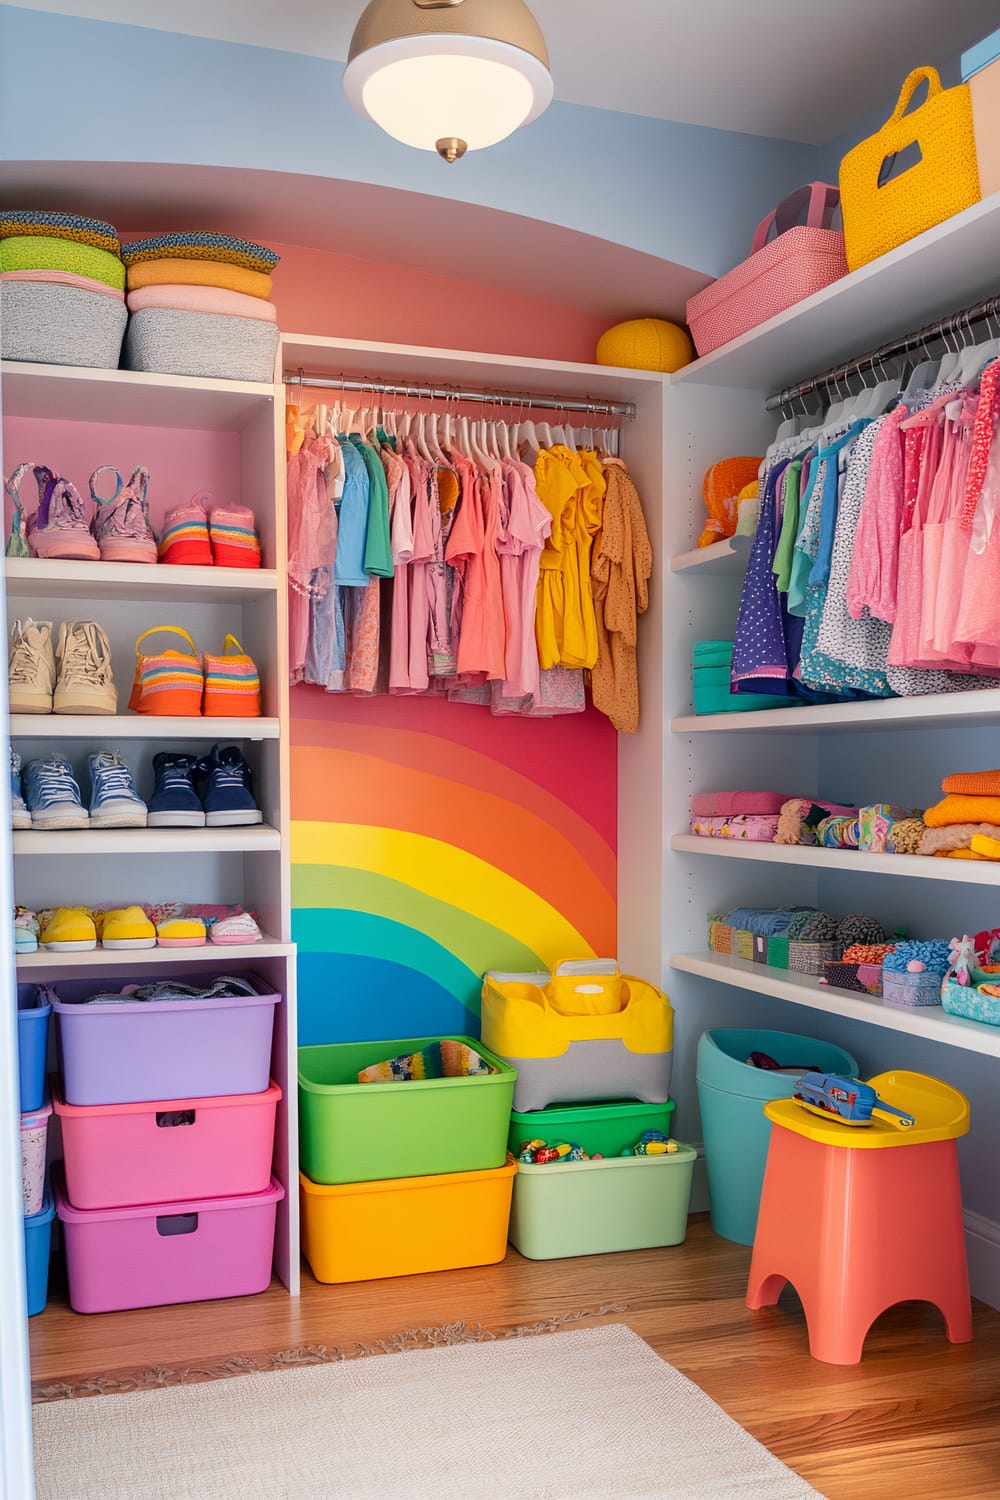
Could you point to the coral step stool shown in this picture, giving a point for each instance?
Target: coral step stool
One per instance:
(858, 1219)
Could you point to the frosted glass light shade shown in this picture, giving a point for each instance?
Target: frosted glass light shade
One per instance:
(428, 86)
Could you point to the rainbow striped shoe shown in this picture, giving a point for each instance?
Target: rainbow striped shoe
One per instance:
(185, 538)
(234, 537)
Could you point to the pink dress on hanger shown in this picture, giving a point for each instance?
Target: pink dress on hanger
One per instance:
(874, 573)
(401, 537)
(922, 447)
(978, 622)
(312, 541)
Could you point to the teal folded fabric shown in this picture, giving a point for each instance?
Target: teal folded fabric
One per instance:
(40, 252)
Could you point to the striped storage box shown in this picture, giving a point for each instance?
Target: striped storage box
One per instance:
(48, 323)
(175, 342)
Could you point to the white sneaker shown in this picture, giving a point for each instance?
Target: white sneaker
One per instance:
(85, 684)
(240, 928)
(31, 667)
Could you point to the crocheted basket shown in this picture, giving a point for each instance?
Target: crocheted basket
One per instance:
(911, 989)
(50, 324)
(811, 958)
(743, 943)
(966, 1000)
(171, 341)
(720, 935)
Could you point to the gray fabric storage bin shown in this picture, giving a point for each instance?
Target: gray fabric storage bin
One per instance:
(50, 324)
(172, 341)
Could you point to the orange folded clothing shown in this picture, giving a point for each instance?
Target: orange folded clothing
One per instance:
(960, 808)
(973, 783)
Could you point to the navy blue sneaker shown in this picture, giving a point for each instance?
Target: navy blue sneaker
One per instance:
(226, 789)
(175, 803)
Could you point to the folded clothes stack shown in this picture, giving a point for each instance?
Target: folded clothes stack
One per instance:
(965, 824)
(62, 289)
(737, 815)
(200, 306)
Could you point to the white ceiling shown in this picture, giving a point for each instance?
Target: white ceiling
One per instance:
(802, 70)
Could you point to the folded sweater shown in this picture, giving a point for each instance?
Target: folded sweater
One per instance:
(959, 808)
(25, 252)
(728, 804)
(65, 278)
(198, 273)
(203, 299)
(954, 836)
(973, 783)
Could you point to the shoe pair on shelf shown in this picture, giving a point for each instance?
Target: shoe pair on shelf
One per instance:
(47, 794)
(213, 791)
(73, 678)
(225, 537)
(118, 531)
(78, 929)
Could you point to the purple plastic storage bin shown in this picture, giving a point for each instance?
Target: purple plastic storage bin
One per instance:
(133, 1053)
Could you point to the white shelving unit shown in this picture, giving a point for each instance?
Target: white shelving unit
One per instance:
(727, 559)
(896, 866)
(115, 727)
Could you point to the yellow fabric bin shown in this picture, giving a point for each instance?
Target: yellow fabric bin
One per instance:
(361, 1231)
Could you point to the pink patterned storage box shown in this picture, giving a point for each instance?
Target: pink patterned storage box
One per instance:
(34, 1140)
(195, 1251)
(801, 259)
(122, 1154)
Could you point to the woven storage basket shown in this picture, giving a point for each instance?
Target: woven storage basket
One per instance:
(810, 958)
(720, 935)
(743, 943)
(51, 324)
(843, 975)
(911, 989)
(777, 951)
(966, 1000)
(171, 341)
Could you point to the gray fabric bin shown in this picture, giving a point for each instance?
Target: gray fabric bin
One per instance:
(51, 324)
(172, 341)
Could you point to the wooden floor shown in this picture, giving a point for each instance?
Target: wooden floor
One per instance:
(918, 1417)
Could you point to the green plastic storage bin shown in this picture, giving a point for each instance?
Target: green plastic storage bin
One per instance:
(365, 1132)
(606, 1128)
(594, 1207)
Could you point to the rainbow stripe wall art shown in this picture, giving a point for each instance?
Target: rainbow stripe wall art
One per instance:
(431, 842)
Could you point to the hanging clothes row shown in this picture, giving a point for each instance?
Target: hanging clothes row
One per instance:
(485, 562)
(875, 562)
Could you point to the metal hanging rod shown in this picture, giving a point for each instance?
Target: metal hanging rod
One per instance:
(896, 347)
(526, 400)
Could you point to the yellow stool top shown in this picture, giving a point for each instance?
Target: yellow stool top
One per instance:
(941, 1114)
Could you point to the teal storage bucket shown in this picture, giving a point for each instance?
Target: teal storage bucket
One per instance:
(731, 1095)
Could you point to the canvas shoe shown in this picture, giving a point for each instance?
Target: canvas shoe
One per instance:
(20, 817)
(68, 929)
(25, 930)
(114, 801)
(121, 523)
(31, 667)
(125, 927)
(175, 926)
(234, 537)
(85, 684)
(227, 789)
(239, 928)
(185, 538)
(174, 803)
(52, 794)
(59, 528)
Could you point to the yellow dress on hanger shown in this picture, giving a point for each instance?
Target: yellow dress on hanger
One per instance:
(557, 487)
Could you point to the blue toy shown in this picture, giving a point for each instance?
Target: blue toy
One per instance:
(847, 1100)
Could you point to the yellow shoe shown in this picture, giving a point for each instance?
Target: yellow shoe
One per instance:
(68, 929)
(181, 932)
(127, 927)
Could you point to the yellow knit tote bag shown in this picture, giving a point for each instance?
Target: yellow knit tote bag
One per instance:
(881, 214)
(645, 344)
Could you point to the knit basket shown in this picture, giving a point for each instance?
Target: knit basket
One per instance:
(232, 683)
(966, 1000)
(879, 213)
(843, 975)
(911, 989)
(174, 342)
(743, 943)
(811, 958)
(720, 935)
(47, 323)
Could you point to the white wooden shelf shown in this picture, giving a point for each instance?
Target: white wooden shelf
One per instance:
(36, 842)
(936, 710)
(41, 578)
(966, 872)
(130, 398)
(130, 958)
(803, 989)
(726, 559)
(945, 269)
(115, 727)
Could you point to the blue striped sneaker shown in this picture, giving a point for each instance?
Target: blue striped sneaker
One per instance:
(114, 801)
(52, 794)
(20, 817)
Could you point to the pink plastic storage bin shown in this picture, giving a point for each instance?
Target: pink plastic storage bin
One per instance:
(138, 1052)
(117, 1155)
(195, 1251)
(34, 1139)
(801, 259)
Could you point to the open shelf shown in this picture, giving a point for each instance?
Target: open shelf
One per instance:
(114, 727)
(802, 989)
(34, 842)
(724, 559)
(41, 578)
(966, 872)
(943, 710)
(126, 958)
(130, 398)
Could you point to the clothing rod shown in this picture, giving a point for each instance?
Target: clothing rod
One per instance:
(524, 399)
(892, 350)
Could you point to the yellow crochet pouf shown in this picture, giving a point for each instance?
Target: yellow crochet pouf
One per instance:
(645, 344)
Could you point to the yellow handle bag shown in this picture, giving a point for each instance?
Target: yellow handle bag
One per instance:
(882, 212)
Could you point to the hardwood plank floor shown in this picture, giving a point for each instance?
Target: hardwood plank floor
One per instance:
(918, 1416)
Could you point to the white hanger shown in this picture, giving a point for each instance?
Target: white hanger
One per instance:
(953, 358)
(978, 356)
(545, 432)
(433, 441)
(420, 438)
(528, 435)
(503, 435)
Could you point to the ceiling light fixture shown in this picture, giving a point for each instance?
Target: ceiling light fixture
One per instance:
(448, 75)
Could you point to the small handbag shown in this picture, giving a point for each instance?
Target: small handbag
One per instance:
(882, 212)
(169, 681)
(232, 683)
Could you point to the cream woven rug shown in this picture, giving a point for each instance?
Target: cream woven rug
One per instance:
(589, 1415)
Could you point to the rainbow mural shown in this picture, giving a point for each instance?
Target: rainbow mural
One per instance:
(431, 842)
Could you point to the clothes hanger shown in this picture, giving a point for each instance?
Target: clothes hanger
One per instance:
(420, 438)
(545, 432)
(978, 356)
(949, 365)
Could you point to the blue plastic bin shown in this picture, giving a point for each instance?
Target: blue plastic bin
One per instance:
(732, 1094)
(32, 1046)
(37, 1242)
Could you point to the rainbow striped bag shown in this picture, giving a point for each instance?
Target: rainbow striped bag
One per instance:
(232, 684)
(169, 681)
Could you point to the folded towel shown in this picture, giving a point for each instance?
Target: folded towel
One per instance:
(204, 299)
(959, 808)
(954, 836)
(800, 815)
(198, 273)
(985, 846)
(973, 783)
(752, 829)
(201, 244)
(44, 253)
(65, 278)
(28, 221)
(445, 1059)
(727, 804)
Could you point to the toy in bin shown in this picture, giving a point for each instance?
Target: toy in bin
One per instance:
(847, 1100)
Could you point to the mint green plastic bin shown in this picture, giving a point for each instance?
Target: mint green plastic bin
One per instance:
(732, 1094)
(593, 1207)
(606, 1128)
(367, 1132)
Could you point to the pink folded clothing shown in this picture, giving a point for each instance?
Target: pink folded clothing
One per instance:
(730, 804)
(759, 829)
(202, 299)
(65, 278)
